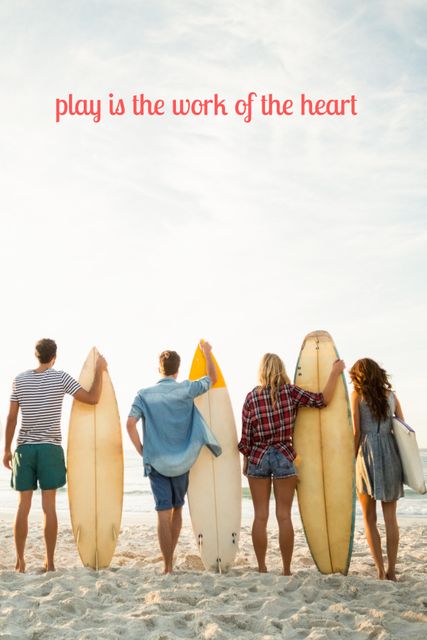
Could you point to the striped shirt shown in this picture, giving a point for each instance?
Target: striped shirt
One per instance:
(265, 424)
(40, 397)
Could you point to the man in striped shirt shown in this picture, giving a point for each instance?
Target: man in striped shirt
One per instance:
(39, 457)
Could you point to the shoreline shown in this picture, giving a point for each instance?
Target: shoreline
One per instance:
(147, 517)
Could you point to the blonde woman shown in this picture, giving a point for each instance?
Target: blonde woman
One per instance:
(378, 466)
(268, 419)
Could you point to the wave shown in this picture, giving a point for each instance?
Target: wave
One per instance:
(137, 492)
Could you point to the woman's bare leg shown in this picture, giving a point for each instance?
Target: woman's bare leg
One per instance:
(369, 508)
(392, 537)
(260, 490)
(284, 490)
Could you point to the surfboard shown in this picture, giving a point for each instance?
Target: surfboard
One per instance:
(214, 493)
(413, 475)
(95, 471)
(324, 442)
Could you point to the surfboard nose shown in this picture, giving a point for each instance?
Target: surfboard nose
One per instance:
(198, 368)
(321, 334)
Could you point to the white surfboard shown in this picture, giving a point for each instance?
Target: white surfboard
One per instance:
(215, 493)
(323, 440)
(413, 475)
(95, 471)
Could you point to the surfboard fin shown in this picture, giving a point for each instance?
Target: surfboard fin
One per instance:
(218, 562)
(78, 535)
(200, 540)
(114, 534)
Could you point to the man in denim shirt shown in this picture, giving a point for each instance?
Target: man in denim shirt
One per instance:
(174, 431)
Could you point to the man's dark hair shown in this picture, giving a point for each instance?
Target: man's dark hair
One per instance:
(169, 362)
(45, 350)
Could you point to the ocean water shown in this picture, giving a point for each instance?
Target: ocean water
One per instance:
(138, 498)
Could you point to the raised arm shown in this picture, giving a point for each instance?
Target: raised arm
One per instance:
(337, 369)
(12, 420)
(92, 396)
(210, 366)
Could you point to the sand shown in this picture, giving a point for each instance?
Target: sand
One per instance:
(133, 599)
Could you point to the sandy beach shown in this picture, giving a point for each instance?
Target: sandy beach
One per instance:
(133, 599)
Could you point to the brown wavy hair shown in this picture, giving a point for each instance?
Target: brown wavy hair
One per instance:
(371, 382)
(45, 350)
(272, 373)
(169, 362)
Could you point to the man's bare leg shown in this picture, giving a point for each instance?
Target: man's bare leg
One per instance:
(21, 528)
(50, 526)
(176, 526)
(166, 539)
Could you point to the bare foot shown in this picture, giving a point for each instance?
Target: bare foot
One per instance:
(262, 570)
(390, 575)
(381, 574)
(286, 573)
(20, 565)
(48, 567)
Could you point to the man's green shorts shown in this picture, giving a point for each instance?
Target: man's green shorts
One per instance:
(42, 463)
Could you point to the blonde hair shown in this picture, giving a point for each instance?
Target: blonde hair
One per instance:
(272, 373)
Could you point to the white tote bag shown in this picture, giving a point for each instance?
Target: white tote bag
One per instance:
(413, 475)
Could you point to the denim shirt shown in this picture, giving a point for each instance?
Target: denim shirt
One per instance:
(174, 430)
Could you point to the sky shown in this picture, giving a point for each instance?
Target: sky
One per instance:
(137, 234)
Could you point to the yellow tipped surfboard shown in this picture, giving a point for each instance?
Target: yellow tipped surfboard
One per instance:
(214, 493)
(95, 471)
(323, 440)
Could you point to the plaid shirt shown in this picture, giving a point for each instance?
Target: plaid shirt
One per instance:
(265, 425)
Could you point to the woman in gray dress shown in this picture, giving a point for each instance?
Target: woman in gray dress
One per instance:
(378, 466)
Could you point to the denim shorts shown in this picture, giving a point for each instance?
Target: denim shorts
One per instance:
(273, 464)
(169, 493)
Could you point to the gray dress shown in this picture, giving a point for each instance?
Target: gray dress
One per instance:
(378, 466)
